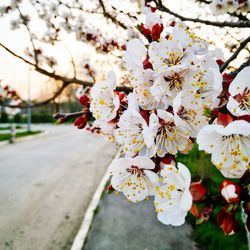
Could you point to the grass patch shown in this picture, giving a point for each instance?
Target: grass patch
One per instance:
(4, 128)
(209, 234)
(8, 127)
(6, 137)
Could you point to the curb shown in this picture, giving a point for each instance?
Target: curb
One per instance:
(89, 215)
(25, 138)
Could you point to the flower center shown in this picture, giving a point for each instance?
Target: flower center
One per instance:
(244, 99)
(135, 170)
(174, 58)
(175, 81)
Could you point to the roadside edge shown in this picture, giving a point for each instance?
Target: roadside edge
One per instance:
(82, 234)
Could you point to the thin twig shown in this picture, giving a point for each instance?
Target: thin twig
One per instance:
(238, 24)
(235, 54)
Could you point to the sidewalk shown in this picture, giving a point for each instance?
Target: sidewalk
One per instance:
(120, 225)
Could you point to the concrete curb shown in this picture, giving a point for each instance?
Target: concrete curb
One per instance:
(25, 138)
(89, 215)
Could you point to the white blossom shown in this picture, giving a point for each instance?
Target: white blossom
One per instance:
(135, 55)
(142, 81)
(173, 199)
(209, 81)
(171, 137)
(134, 177)
(239, 89)
(188, 110)
(134, 134)
(229, 146)
(105, 102)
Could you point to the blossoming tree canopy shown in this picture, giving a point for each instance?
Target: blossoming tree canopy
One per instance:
(172, 94)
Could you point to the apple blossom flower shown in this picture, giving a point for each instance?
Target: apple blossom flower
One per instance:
(189, 40)
(153, 27)
(173, 199)
(168, 53)
(134, 177)
(209, 81)
(107, 128)
(141, 82)
(105, 102)
(134, 134)
(188, 110)
(135, 55)
(229, 146)
(172, 81)
(171, 137)
(239, 89)
(220, 7)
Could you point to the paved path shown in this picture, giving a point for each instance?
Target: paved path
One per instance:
(120, 225)
(46, 185)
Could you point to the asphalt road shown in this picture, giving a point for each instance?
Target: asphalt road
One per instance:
(46, 185)
(123, 225)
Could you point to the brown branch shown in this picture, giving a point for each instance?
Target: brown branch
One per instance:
(242, 66)
(112, 18)
(238, 24)
(66, 81)
(64, 117)
(235, 54)
(24, 104)
(30, 34)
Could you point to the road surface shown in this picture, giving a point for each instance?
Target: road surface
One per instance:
(46, 185)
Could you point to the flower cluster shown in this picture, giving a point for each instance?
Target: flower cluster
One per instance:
(220, 7)
(228, 141)
(178, 96)
(8, 95)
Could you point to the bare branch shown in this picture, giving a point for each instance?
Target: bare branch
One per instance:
(66, 81)
(242, 66)
(235, 54)
(112, 18)
(30, 34)
(238, 24)
(64, 117)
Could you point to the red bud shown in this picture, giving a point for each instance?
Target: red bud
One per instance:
(147, 64)
(226, 222)
(84, 100)
(244, 117)
(145, 115)
(144, 30)
(219, 62)
(198, 191)
(81, 122)
(156, 31)
(224, 119)
(194, 210)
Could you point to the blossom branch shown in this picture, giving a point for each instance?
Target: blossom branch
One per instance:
(30, 34)
(112, 18)
(235, 54)
(64, 117)
(239, 24)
